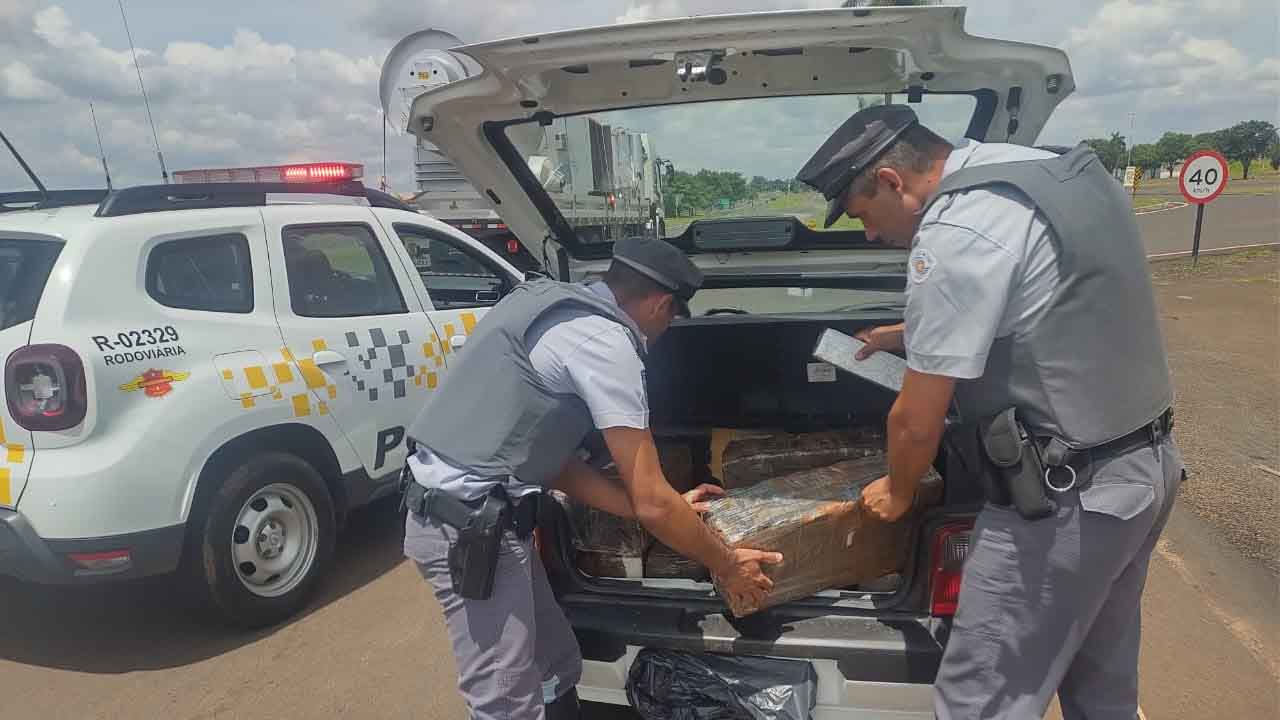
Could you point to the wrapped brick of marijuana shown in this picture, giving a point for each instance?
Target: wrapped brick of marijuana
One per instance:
(609, 546)
(750, 460)
(815, 518)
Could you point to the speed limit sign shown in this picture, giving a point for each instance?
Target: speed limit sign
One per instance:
(1204, 177)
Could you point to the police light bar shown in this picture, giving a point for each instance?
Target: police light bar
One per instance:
(302, 172)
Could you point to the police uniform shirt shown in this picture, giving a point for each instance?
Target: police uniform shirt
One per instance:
(982, 265)
(574, 352)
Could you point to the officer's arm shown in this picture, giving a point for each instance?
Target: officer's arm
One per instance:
(658, 507)
(915, 428)
(585, 484)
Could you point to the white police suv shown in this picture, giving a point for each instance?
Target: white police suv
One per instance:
(210, 375)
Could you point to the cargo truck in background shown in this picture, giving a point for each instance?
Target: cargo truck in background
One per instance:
(606, 179)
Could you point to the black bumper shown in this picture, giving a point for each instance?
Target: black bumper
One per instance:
(891, 649)
(27, 556)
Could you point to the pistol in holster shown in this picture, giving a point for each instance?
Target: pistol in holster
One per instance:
(1013, 473)
(473, 554)
(473, 557)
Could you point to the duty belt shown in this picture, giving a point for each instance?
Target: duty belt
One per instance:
(521, 517)
(1067, 463)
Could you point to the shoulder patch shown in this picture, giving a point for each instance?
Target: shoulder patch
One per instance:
(922, 263)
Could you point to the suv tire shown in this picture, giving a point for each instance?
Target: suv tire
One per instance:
(264, 542)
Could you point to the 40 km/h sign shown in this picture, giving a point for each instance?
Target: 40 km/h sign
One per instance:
(1203, 178)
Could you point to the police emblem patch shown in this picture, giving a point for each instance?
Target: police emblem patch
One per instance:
(922, 263)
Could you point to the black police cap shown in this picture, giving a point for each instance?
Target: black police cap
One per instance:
(663, 263)
(852, 148)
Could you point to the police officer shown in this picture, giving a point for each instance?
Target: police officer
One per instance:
(1029, 310)
(549, 363)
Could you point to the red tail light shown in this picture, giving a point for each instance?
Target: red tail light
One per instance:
(950, 546)
(513, 246)
(45, 387)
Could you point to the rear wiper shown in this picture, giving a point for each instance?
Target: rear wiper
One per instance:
(898, 307)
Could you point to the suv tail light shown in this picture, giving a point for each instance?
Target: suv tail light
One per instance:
(950, 546)
(45, 387)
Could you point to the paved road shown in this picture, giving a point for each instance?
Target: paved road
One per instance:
(1228, 221)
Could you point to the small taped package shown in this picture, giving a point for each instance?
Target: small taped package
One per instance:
(675, 685)
(815, 518)
(663, 562)
(606, 545)
(749, 460)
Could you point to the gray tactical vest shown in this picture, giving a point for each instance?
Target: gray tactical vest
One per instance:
(1092, 367)
(494, 417)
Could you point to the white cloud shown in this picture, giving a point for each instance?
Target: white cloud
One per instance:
(1180, 65)
(17, 82)
(248, 101)
(254, 94)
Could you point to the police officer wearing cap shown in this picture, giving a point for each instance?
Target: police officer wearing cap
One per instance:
(1030, 315)
(548, 364)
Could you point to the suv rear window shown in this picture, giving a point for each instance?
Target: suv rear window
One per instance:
(24, 269)
(211, 273)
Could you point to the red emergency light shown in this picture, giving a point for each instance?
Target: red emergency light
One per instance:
(301, 172)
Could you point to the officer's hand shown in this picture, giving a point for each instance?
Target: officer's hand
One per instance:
(744, 580)
(699, 496)
(880, 499)
(882, 337)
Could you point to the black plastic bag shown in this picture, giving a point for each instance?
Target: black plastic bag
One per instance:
(672, 685)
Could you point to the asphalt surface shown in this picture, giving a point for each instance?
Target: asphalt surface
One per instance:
(372, 645)
(1231, 220)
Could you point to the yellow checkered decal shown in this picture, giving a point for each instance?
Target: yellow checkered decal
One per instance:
(286, 378)
(380, 369)
(11, 454)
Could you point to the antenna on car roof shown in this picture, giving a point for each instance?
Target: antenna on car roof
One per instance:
(31, 174)
(145, 100)
(102, 153)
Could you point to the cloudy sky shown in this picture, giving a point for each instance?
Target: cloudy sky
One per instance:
(241, 82)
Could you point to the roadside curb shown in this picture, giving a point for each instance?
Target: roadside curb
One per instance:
(1157, 257)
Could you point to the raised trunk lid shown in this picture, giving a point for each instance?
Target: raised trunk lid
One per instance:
(728, 57)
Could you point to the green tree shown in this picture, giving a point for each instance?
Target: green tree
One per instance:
(1173, 148)
(1206, 141)
(1247, 141)
(1273, 154)
(1110, 151)
(1147, 157)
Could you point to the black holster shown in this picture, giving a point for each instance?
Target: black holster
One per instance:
(1010, 470)
(473, 556)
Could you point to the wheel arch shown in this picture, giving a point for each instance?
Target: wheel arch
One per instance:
(303, 441)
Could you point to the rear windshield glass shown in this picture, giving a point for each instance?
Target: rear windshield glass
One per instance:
(655, 170)
(24, 269)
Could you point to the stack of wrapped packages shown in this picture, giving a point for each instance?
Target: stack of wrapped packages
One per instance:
(797, 494)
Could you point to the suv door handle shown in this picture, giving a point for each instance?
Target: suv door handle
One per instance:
(327, 357)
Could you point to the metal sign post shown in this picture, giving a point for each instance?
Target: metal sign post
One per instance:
(1203, 178)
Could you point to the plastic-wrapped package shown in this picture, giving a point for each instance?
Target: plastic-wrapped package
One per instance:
(663, 562)
(814, 518)
(673, 685)
(606, 545)
(749, 460)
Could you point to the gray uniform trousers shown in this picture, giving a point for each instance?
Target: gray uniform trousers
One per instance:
(515, 651)
(1055, 604)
